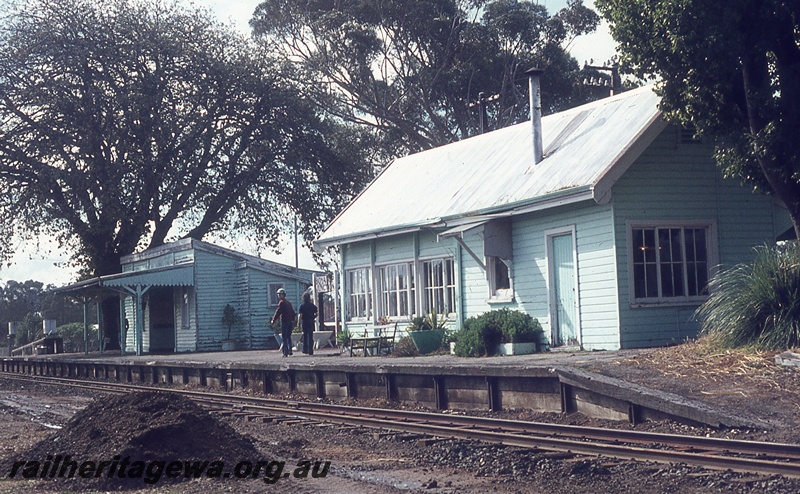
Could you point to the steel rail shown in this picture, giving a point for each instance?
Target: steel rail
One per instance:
(783, 450)
(532, 435)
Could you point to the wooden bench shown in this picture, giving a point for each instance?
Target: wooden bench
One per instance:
(378, 337)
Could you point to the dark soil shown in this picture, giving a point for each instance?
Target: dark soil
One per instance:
(136, 433)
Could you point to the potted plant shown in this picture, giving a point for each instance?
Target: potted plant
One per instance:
(427, 333)
(229, 319)
(297, 336)
(343, 340)
(503, 332)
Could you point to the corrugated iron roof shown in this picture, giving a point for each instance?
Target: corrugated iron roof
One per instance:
(495, 172)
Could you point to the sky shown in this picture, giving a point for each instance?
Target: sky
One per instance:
(44, 263)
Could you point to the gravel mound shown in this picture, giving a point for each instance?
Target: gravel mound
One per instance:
(143, 438)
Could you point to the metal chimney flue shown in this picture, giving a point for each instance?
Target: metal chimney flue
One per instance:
(535, 94)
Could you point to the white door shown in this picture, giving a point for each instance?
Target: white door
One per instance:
(563, 297)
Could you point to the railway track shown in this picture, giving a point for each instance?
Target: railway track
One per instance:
(711, 453)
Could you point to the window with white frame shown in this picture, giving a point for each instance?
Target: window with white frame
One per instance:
(359, 294)
(499, 278)
(396, 290)
(439, 286)
(272, 293)
(670, 263)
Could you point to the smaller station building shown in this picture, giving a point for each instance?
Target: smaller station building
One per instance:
(173, 298)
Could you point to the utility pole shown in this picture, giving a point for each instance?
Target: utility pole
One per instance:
(616, 82)
(483, 116)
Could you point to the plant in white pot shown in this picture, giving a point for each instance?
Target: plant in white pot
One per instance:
(498, 332)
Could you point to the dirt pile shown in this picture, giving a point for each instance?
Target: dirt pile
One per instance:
(135, 440)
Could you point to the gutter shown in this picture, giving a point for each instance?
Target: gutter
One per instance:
(554, 199)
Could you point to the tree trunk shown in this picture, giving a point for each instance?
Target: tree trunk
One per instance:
(104, 265)
(109, 308)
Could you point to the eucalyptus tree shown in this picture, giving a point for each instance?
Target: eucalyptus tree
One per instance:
(127, 123)
(731, 70)
(409, 70)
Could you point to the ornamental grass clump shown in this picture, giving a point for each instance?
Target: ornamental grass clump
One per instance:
(756, 303)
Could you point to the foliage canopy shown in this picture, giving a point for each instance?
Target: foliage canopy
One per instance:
(127, 123)
(408, 70)
(731, 70)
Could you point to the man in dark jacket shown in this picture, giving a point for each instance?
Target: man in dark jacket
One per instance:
(285, 313)
(307, 314)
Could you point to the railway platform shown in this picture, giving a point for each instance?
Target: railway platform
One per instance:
(553, 381)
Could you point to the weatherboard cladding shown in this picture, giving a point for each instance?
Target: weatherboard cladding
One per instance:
(217, 286)
(494, 171)
(595, 261)
(186, 330)
(673, 182)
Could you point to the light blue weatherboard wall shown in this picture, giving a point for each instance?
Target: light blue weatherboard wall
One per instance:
(225, 280)
(597, 313)
(680, 181)
(597, 290)
(217, 277)
(594, 234)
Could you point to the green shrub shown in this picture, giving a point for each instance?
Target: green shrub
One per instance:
(343, 338)
(756, 303)
(480, 335)
(72, 335)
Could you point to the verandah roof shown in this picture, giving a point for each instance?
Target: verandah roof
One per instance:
(182, 275)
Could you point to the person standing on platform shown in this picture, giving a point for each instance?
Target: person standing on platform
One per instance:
(285, 313)
(306, 315)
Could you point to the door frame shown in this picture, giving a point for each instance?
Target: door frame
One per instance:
(171, 303)
(551, 285)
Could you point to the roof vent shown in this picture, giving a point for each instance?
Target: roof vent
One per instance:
(535, 95)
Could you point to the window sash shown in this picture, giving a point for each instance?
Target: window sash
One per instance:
(359, 293)
(670, 263)
(439, 286)
(396, 291)
(499, 277)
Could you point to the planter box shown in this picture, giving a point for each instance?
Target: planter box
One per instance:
(323, 339)
(516, 348)
(427, 341)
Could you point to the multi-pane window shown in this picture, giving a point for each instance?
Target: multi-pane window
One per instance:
(396, 290)
(439, 286)
(359, 292)
(670, 263)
